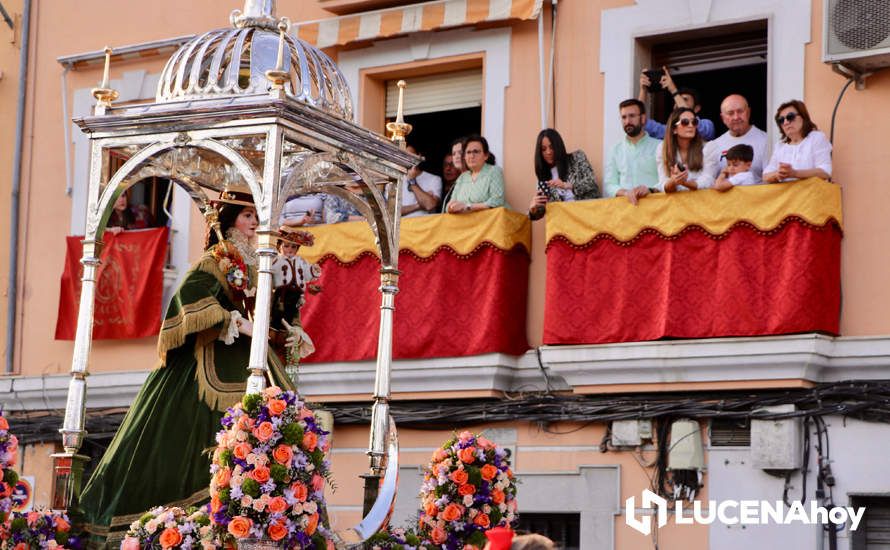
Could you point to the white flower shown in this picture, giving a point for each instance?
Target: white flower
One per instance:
(468, 500)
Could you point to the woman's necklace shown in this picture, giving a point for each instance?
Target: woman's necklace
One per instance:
(243, 245)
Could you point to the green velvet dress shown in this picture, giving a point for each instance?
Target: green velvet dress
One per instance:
(158, 455)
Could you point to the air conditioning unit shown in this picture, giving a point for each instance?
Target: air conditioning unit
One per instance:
(857, 34)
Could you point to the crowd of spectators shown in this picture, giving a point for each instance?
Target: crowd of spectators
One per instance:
(682, 154)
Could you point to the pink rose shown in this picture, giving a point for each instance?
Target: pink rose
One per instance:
(130, 543)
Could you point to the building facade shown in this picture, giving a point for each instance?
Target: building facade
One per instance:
(506, 69)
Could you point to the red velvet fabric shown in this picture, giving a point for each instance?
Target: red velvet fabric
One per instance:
(129, 288)
(743, 283)
(447, 306)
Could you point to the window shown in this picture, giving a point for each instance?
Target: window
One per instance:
(440, 108)
(563, 529)
(874, 531)
(716, 61)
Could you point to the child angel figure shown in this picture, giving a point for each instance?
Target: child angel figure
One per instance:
(292, 278)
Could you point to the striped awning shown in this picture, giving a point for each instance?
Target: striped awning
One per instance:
(423, 16)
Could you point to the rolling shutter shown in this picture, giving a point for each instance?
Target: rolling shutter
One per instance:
(438, 92)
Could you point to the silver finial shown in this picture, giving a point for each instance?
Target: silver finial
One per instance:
(257, 13)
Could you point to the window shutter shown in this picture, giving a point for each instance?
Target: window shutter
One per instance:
(438, 92)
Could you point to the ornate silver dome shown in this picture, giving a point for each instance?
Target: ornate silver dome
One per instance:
(233, 62)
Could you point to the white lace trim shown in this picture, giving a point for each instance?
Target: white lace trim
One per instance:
(245, 247)
(228, 337)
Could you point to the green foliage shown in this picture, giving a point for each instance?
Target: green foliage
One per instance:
(475, 475)
(227, 458)
(224, 495)
(18, 524)
(146, 517)
(251, 403)
(277, 472)
(495, 515)
(292, 433)
(251, 487)
(317, 457)
(477, 539)
(62, 538)
(11, 477)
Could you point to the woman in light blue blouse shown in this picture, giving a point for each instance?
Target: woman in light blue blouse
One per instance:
(481, 186)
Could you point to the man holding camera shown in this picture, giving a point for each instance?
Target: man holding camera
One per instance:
(655, 80)
(420, 191)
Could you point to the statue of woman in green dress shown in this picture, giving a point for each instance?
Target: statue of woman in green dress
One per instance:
(157, 456)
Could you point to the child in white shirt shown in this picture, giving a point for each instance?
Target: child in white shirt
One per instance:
(738, 168)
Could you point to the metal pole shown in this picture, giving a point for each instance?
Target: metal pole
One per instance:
(16, 190)
(259, 345)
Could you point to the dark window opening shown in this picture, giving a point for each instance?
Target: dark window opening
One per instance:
(716, 62)
(433, 133)
(730, 432)
(873, 532)
(563, 529)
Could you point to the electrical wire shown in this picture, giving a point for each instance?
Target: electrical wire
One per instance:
(837, 104)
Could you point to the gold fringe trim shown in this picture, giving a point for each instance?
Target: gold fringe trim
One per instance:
(193, 318)
(218, 395)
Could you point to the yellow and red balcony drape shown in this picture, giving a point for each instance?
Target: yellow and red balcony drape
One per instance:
(462, 289)
(129, 285)
(755, 260)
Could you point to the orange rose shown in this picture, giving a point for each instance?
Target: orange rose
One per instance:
(276, 406)
(438, 535)
(215, 504)
(489, 472)
(467, 489)
(245, 423)
(452, 512)
(260, 474)
(317, 482)
(467, 455)
(61, 524)
(170, 537)
(482, 521)
(497, 496)
(283, 454)
(277, 505)
(431, 509)
(21, 546)
(4, 425)
(264, 431)
(310, 441)
(312, 525)
(301, 492)
(223, 477)
(241, 450)
(239, 527)
(277, 530)
(459, 476)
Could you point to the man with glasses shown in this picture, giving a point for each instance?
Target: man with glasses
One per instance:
(736, 114)
(630, 169)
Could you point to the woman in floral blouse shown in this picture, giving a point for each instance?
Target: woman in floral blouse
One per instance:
(567, 177)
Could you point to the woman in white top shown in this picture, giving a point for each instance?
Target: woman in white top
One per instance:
(803, 151)
(680, 157)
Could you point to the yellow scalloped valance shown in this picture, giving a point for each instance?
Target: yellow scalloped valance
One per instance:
(424, 235)
(764, 206)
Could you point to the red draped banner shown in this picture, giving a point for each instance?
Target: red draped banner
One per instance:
(758, 261)
(129, 287)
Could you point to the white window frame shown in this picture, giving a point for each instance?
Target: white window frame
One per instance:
(788, 33)
(134, 86)
(494, 43)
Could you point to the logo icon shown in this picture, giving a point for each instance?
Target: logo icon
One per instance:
(648, 500)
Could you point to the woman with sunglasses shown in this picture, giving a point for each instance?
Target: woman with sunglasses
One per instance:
(680, 158)
(803, 151)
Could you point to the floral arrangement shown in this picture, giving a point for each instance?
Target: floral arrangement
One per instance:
(233, 267)
(398, 538)
(43, 529)
(171, 528)
(468, 488)
(269, 472)
(8, 477)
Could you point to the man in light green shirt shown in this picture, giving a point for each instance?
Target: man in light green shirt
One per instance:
(631, 168)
